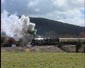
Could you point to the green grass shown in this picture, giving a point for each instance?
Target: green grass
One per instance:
(41, 60)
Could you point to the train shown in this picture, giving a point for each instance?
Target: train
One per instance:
(55, 41)
(60, 42)
(44, 41)
(40, 41)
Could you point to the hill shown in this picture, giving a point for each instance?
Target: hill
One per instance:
(45, 26)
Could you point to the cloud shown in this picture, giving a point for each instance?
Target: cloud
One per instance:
(68, 11)
(2, 1)
(68, 4)
(70, 16)
(37, 10)
(32, 3)
(59, 3)
(44, 6)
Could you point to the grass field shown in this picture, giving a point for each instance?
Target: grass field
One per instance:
(19, 59)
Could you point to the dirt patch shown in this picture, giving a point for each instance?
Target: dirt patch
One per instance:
(33, 49)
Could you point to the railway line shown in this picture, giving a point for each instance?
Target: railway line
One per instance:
(61, 43)
(78, 43)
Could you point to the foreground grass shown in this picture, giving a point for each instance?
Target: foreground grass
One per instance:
(41, 60)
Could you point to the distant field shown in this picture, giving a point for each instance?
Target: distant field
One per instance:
(17, 59)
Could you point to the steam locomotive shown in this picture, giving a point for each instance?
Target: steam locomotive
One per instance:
(44, 41)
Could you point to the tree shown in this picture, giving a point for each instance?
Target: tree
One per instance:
(78, 45)
(52, 34)
(67, 36)
(82, 35)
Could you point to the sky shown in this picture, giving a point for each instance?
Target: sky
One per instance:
(68, 11)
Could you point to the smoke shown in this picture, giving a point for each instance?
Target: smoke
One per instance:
(14, 26)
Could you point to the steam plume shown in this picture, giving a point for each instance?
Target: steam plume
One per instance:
(14, 26)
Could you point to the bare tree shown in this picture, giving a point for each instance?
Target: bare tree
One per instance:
(52, 34)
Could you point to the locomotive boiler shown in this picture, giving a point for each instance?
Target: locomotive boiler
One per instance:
(44, 41)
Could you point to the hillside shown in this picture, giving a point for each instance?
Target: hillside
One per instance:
(45, 25)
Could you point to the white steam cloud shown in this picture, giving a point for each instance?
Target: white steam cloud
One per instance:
(14, 26)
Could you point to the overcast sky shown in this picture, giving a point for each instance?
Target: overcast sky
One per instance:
(68, 11)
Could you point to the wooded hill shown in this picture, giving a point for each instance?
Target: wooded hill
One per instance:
(44, 26)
